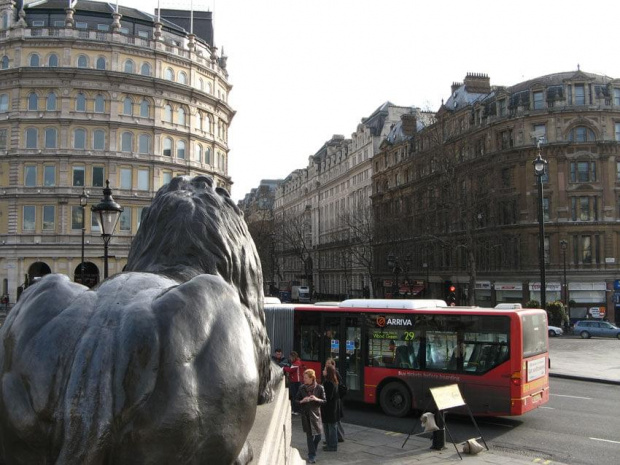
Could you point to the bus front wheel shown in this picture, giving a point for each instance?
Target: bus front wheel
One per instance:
(395, 399)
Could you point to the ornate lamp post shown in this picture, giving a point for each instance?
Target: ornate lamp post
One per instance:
(540, 165)
(564, 246)
(108, 212)
(83, 203)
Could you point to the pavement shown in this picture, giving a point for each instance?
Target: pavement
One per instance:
(571, 358)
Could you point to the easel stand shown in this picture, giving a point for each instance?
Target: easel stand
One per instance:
(448, 398)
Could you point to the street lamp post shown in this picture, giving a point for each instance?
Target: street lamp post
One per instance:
(108, 213)
(540, 165)
(83, 203)
(393, 264)
(564, 246)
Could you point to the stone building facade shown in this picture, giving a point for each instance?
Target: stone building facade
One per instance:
(465, 190)
(94, 93)
(313, 208)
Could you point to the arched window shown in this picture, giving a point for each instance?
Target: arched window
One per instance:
(128, 106)
(32, 138)
(181, 149)
(199, 121)
(99, 139)
(34, 60)
(581, 134)
(33, 101)
(198, 153)
(5, 62)
(145, 69)
(129, 66)
(144, 143)
(99, 104)
(82, 61)
(181, 116)
(209, 88)
(167, 147)
(100, 64)
(182, 77)
(145, 108)
(201, 84)
(5, 20)
(79, 139)
(169, 74)
(208, 156)
(50, 138)
(80, 102)
(127, 142)
(50, 102)
(208, 126)
(168, 114)
(4, 102)
(52, 61)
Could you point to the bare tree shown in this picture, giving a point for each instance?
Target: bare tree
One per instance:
(294, 237)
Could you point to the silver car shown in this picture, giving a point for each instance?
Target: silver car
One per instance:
(589, 328)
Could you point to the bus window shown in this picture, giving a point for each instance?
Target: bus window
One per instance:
(392, 346)
(534, 334)
(486, 346)
(307, 335)
(440, 347)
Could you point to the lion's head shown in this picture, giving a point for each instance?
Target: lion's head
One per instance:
(191, 229)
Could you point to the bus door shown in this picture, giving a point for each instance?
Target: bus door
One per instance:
(342, 339)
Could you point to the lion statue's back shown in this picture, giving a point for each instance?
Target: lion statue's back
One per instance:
(164, 363)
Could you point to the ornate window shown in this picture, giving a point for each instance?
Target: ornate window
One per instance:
(182, 77)
(99, 104)
(100, 64)
(129, 66)
(128, 106)
(127, 142)
(181, 116)
(51, 136)
(167, 147)
(181, 149)
(144, 143)
(50, 102)
(4, 102)
(33, 101)
(80, 102)
(34, 60)
(52, 61)
(5, 62)
(98, 139)
(168, 114)
(145, 69)
(145, 108)
(32, 138)
(169, 74)
(79, 139)
(581, 134)
(82, 61)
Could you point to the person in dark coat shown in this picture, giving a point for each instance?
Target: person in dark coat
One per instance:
(310, 397)
(329, 410)
(332, 362)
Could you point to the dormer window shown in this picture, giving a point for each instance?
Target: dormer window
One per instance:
(580, 94)
(538, 97)
(501, 107)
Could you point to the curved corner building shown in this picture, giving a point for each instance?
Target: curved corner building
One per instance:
(89, 93)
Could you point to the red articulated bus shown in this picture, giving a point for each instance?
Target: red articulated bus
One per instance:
(391, 352)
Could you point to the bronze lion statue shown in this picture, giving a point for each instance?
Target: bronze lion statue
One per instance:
(164, 363)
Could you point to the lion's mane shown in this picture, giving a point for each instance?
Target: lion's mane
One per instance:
(192, 228)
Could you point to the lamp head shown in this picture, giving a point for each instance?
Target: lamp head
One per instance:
(108, 212)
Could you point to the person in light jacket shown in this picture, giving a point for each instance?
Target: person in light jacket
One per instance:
(310, 397)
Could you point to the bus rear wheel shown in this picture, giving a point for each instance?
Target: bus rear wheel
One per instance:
(395, 399)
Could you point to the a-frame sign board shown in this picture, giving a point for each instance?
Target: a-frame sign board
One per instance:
(447, 398)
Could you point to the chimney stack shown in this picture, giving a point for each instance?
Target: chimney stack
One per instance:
(409, 124)
(455, 86)
(477, 83)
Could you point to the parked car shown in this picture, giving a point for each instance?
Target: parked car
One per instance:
(589, 328)
(555, 331)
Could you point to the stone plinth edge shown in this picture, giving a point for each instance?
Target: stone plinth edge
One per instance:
(270, 436)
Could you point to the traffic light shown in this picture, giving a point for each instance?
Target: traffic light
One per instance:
(450, 293)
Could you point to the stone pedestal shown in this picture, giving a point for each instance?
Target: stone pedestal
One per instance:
(270, 436)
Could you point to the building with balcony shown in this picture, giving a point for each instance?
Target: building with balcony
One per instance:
(459, 196)
(92, 93)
